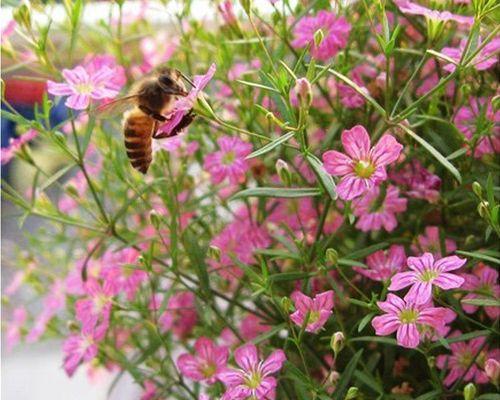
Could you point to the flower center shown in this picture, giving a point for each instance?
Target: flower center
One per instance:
(364, 169)
(228, 158)
(428, 275)
(84, 88)
(253, 380)
(313, 317)
(465, 359)
(408, 316)
(208, 370)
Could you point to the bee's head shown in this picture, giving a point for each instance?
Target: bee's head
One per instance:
(170, 85)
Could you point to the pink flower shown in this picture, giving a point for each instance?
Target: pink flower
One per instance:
(207, 362)
(227, 11)
(480, 124)
(15, 326)
(252, 326)
(335, 34)
(425, 272)
(253, 378)
(150, 390)
(184, 105)
(411, 8)
(156, 50)
(238, 239)
(482, 284)
(463, 353)
(15, 144)
(8, 30)
(382, 265)
(431, 243)
(81, 347)
(120, 270)
(375, 213)
(486, 58)
(363, 167)
(81, 86)
(97, 62)
(492, 370)
(317, 310)
(405, 318)
(417, 181)
(229, 162)
(54, 302)
(180, 314)
(95, 309)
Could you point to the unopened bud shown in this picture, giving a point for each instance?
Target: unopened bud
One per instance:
(337, 342)
(72, 326)
(470, 391)
(431, 362)
(332, 256)
(214, 253)
(247, 5)
(477, 189)
(482, 209)
(283, 171)
(22, 15)
(286, 304)
(492, 369)
(352, 393)
(303, 91)
(318, 37)
(155, 219)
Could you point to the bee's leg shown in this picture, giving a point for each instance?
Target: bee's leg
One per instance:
(184, 123)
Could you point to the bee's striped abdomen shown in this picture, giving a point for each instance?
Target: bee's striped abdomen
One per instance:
(138, 129)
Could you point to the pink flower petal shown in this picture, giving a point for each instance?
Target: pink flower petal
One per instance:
(247, 357)
(356, 142)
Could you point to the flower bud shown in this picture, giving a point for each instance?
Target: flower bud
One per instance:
(283, 171)
(286, 304)
(337, 342)
(303, 91)
(318, 37)
(22, 15)
(477, 189)
(482, 209)
(72, 326)
(155, 219)
(332, 256)
(492, 369)
(470, 391)
(214, 253)
(247, 5)
(352, 393)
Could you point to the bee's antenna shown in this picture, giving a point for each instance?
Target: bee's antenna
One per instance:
(186, 79)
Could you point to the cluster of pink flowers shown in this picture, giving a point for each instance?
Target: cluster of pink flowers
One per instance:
(253, 379)
(15, 145)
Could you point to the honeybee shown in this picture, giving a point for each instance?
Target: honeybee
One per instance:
(152, 97)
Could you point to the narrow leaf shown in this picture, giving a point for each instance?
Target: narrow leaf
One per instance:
(277, 192)
(324, 177)
(346, 376)
(271, 145)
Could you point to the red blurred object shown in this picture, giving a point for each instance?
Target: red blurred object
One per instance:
(22, 91)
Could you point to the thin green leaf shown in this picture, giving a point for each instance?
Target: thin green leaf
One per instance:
(277, 192)
(271, 145)
(346, 376)
(366, 251)
(434, 394)
(257, 85)
(482, 302)
(436, 154)
(479, 255)
(289, 276)
(324, 177)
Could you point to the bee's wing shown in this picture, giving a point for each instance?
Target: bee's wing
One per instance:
(115, 107)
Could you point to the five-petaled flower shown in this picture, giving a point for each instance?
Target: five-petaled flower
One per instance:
(426, 272)
(206, 363)
(81, 86)
(315, 310)
(229, 161)
(406, 317)
(363, 167)
(253, 379)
